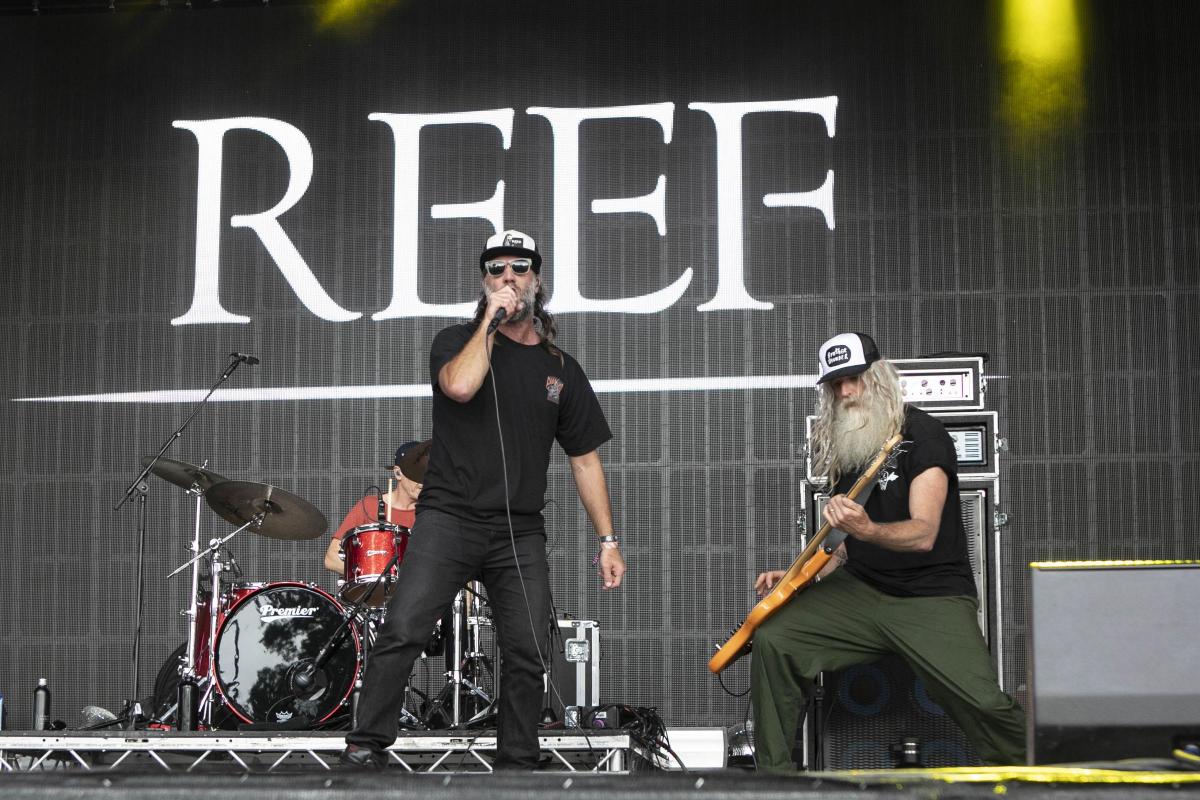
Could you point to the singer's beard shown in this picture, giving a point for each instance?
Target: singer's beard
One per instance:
(528, 298)
(860, 427)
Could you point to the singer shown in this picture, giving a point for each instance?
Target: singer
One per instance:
(398, 505)
(500, 401)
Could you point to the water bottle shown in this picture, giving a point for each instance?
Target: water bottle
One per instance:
(41, 705)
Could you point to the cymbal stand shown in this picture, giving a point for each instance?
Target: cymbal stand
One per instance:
(139, 488)
(459, 679)
(214, 551)
(475, 656)
(209, 680)
(188, 667)
(408, 720)
(215, 544)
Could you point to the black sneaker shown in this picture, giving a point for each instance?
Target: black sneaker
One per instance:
(355, 757)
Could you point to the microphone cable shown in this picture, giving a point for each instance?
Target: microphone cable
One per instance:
(512, 539)
(372, 514)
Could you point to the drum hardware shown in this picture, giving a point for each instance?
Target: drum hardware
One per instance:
(268, 510)
(213, 546)
(264, 509)
(196, 481)
(139, 488)
(464, 666)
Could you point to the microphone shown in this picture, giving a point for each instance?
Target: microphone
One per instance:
(232, 562)
(501, 313)
(382, 509)
(304, 676)
(245, 358)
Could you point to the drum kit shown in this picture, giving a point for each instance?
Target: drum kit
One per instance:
(288, 654)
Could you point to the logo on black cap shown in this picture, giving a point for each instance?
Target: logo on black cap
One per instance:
(838, 354)
(514, 241)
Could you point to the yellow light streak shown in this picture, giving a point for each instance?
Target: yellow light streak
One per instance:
(1042, 54)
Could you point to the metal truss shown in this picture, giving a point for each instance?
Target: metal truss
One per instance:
(598, 751)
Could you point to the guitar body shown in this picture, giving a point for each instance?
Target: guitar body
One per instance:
(803, 571)
(739, 644)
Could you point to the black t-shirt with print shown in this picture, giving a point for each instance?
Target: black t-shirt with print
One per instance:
(946, 569)
(544, 397)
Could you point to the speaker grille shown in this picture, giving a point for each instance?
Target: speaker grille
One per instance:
(872, 707)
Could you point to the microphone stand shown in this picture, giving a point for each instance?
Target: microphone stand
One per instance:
(132, 712)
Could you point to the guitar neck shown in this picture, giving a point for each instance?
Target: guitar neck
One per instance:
(859, 488)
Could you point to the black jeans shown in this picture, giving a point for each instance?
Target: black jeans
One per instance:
(443, 554)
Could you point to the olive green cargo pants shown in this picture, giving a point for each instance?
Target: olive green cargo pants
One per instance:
(842, 621)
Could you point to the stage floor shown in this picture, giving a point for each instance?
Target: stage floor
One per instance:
(306, 784)
(445, 752)
(600, 764)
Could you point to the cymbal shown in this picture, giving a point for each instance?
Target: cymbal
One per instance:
(183, 474)
(285, 516)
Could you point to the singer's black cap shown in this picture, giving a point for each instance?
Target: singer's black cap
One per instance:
(412, 458)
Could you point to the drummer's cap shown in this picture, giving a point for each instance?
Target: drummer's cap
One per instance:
(412, 458)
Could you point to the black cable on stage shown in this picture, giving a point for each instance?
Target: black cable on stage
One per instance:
(646, 726)
(721, 681)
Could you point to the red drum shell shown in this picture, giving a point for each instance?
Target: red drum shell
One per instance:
(231, 595)
(367, 550)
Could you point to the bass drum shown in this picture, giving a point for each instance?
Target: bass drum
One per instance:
(267, 645)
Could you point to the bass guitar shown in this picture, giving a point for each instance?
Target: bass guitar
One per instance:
(804, 569)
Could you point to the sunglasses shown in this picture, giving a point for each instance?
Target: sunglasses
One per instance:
(519, 266)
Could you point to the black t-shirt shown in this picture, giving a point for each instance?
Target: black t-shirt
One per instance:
(944, 570)
(544, 397)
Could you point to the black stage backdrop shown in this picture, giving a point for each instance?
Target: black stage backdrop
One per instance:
(1040, 207)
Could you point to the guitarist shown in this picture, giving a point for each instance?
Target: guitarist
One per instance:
(900, 583)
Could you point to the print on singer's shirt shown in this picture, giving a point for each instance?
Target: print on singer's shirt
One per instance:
(554, 387)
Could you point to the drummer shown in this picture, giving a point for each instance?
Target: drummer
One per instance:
(399, 505)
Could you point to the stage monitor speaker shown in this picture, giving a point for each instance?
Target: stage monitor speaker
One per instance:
(1114, 652)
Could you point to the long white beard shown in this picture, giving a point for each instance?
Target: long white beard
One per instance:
(859, 430)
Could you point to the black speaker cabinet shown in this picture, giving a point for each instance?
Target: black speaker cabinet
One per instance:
(1114, 653)
(870, 709)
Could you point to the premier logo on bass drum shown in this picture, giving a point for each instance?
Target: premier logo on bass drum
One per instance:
(269, 612)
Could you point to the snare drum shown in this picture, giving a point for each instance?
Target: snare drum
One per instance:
(367, 550)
